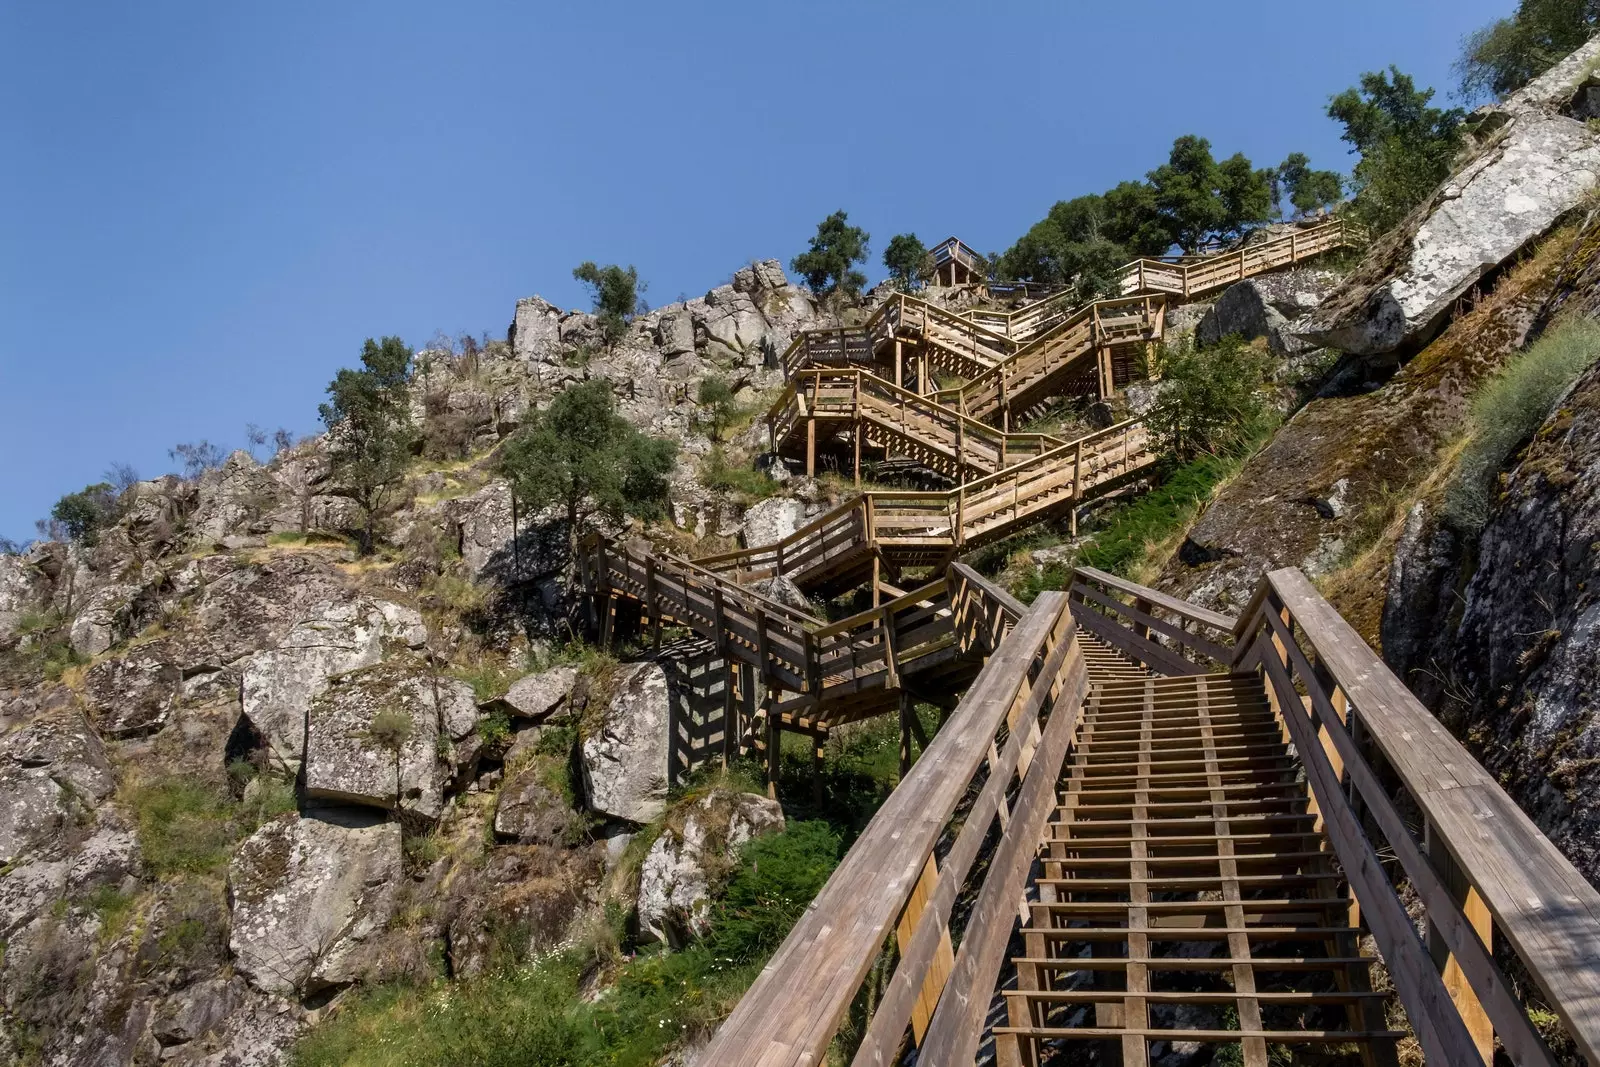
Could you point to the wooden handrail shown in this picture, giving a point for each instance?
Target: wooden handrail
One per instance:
(1479, 848)
(1154, 629)
(890, 875)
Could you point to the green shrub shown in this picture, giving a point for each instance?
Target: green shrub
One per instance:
(778, 877)
(717, 473)
(1508, 409)
(1211, 402)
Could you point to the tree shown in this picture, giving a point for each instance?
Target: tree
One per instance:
(1406, 146)
(85, 513)
(616, 297)
(716, 396)
(370, 434)
(1210, 400)
(907, 261)
(1070, 246)
(197, 457)
(1201, 200)
(1306, 190)
(837, 247)
(583, 456)
(1508, 53)
(122, 477)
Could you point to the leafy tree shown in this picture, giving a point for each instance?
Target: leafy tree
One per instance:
(1211, 400)
(1069, 246)
(1306, 190)
(1406, 146)
(197, 457)
(370, 433)
(1201, 200)
(581, 455)
(1134, 221)
(828, 267)
(716, 396)
(1508, 53)
(85, 513)
(907, 260)
(616, 297)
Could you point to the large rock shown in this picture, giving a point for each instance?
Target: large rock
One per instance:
(280, 684)
(53, 771)
(772, 520)
(1524, 669)
(536, 330)
(690, 858)
(538, 696)
(345, 761)
(309, 897)
(530, 811)
(233, 498)
(625, 754)
(20, 592)
(1534, 163)
(133, 694)
(781, 588)
(1242, 310)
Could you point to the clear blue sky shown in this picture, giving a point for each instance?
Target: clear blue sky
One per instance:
(207, 206)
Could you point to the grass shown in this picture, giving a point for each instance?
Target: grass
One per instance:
(538, 1013)
(189, 826)
(1132, 533)
(1508, 409)
(746, 482)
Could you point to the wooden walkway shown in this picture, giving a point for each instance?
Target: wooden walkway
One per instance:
(1149, 824)
(1144, 823)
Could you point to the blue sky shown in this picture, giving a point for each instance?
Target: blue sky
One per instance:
(206, 207)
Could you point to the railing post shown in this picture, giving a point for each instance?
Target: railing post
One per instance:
(1477, 913)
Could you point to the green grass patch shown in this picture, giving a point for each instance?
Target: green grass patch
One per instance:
(717, 473)
(538, 1014)
(189, 826)
(1126, 534)
(1508, 410)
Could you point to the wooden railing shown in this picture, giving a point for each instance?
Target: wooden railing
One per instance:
(1153, 629)
(1193, 277)
(963, 442)
(1485, 876)
(937, 523)
(1016, 721)
(1072, 343)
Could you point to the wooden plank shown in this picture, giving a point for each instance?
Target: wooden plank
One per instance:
(957, 1025)
(1182, 608)
(1545, 909)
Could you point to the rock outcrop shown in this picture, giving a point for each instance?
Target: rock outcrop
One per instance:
(624, 752)
(309, 898)
(692, 855)
(1532, 160)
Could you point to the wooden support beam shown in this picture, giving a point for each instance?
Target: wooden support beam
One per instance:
(906, 712)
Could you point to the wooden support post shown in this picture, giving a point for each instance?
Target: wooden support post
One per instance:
(1477, 913)
(1077, 486)
(774, 743)
(858, 446)
(819, 749)
(730, 711)
(899, 366)
(906, 711)
(651, 600)
(877, 578)
(608, 621)
(811, 446)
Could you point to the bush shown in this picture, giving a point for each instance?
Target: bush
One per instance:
(1507, 411)
(616, 296)
(829, 265)
(715, 395)
(1211, 401)
(717, 473)
(85, 513)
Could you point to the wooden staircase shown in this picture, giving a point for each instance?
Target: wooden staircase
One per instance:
(1184, 893)
(1149, 825)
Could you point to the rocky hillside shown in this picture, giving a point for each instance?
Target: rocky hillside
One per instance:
(245, 768)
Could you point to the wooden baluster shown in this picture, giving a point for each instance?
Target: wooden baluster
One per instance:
(1477, 913)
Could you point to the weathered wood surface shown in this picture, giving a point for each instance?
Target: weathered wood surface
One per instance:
(1544, 909)
(791, 1012)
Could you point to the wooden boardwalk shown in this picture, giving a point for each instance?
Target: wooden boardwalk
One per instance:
(1144, 823)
